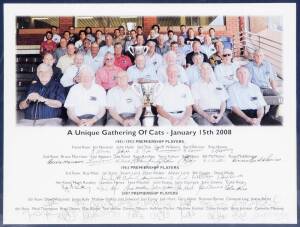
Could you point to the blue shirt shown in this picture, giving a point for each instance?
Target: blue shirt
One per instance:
(38, 110)
(162, 50)
(262, 74)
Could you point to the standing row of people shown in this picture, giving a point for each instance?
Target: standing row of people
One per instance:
(201, 70)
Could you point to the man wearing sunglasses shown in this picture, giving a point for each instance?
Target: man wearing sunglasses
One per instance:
(105, 76)
(226, 71)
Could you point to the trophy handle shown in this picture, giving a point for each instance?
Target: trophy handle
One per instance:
(131, 50)
(138, 89)
(146, 48)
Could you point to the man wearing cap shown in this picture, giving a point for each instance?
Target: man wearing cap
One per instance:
(124, 104)
(140, 72)
(174, 102)
(152, 58)
(247, 103)
(86, 100)
(226, 71)
(210, 99)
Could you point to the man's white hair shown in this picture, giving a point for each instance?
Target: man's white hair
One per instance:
(47, 67)
(86, 70)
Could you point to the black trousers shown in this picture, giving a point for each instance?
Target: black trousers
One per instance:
(266, 120)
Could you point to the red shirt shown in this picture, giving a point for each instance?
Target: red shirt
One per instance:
(48, 46)
(105, 76)
(124, 62)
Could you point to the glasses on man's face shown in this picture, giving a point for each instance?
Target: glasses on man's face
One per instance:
(226, 55)
(108, 59)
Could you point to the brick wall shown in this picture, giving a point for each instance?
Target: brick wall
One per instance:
(65, 23)
(148, 22)
(258, 24)
(34, 36)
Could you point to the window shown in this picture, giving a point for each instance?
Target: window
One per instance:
(37, 22)
(106, 22)
(275, 23)
(191, 21)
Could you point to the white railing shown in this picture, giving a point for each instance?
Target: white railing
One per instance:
(246, 43)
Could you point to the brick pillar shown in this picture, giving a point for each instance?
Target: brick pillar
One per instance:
(241, 24)
(65, 23)
(233, 27)
(148, 22)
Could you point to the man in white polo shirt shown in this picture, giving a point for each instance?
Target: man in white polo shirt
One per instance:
(124, 104)
(68, 59)
(174, 103)
(170, 59)
(86, 101)
(140, 72)
(226, 71)
(210, 99)
(93, 57)
(247, 103)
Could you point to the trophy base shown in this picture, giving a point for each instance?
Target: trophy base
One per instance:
(148, 121)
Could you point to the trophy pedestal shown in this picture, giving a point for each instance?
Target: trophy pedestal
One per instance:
(148, 119)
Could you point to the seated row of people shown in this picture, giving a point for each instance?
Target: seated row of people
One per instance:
(86, 102)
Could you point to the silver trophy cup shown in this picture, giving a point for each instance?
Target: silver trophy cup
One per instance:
(138, 50)
(148, 92)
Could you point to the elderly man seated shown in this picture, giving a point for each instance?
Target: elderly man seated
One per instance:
(44, 99)
(124, 104)
(174, 102)
(86, 100)
(210, 99)
(247, 103)
(262, 75)
(140, 72)
(226, 71)
(170, 59)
